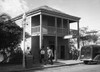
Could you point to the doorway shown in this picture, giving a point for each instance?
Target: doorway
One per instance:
(62, 54)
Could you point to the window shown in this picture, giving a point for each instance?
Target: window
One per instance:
(51, 21)
(35, 20)
(59, 22)
(64, 23)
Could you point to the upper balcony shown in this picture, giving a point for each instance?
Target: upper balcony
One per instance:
(50, 25)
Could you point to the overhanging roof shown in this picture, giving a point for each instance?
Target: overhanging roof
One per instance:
(48, 10)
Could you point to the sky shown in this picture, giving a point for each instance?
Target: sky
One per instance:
(87, 10)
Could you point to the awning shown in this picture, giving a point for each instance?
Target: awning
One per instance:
(68, 36)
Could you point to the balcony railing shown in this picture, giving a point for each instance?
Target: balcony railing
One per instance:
(52, 30)
(35, 29)
(49, 30)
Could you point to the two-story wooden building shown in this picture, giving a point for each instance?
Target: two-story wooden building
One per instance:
(48, 27)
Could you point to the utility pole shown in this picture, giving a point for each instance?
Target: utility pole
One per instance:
(24, 25)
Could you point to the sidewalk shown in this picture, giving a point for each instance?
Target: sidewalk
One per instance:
(16, 68)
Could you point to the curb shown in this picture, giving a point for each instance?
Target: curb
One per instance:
(58, 66)
(39, 68)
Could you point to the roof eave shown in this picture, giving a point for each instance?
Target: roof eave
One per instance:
(62, 14)
(34, 11)
(27, 14)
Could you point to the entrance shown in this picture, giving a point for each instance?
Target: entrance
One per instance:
(62, 54)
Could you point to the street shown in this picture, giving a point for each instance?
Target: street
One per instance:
(74, 68)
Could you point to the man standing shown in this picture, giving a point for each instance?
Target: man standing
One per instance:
(50, 55)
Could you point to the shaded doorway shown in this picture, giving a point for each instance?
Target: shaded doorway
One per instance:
(62, 54)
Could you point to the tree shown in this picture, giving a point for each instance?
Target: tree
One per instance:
(85, 35)
(10, 33)
(92, 35)
(10, 38)
(82, 31)
(88, 36)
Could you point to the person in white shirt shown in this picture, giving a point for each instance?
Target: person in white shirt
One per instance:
(42, 55)
(50, 55)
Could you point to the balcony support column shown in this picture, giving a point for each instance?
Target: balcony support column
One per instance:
(41, 35)
(78, 37)
(68, 27)
(78, 40)
(62, 25)
(56, 40)
(68, 41)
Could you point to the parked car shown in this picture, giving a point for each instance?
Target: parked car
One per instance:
(90, 53)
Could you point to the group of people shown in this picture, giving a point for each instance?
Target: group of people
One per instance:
(46, 56)
(5, 54)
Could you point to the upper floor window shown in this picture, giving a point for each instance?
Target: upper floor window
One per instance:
(48, 20)
(65, 23)
(59, 24)
(35, 20)
(51, 21)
